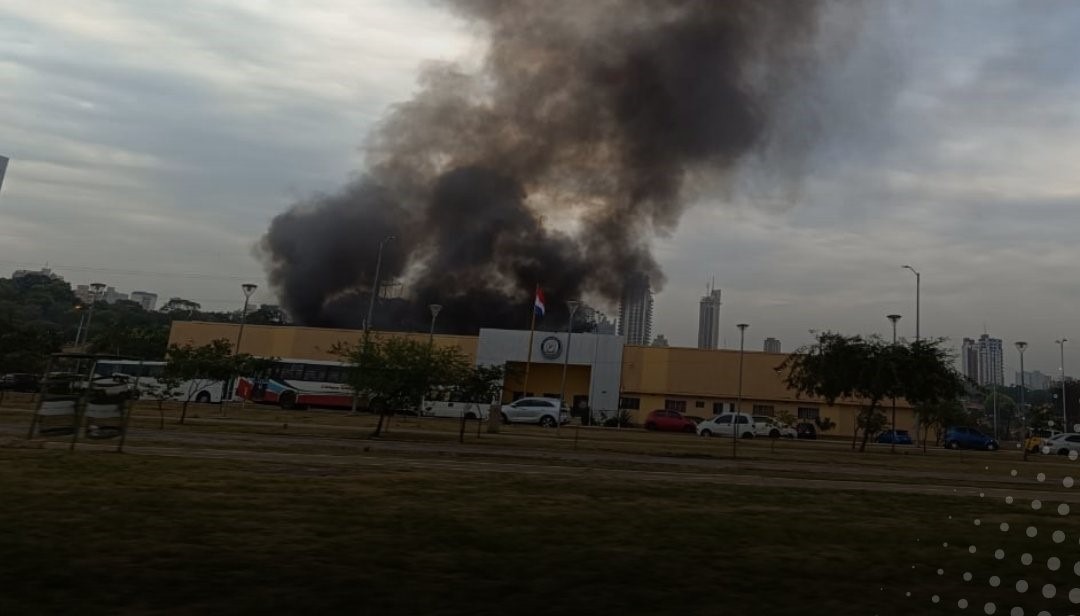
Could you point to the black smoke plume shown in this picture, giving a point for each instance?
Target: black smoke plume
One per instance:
(557, 163)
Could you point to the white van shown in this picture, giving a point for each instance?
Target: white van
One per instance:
(454, 410)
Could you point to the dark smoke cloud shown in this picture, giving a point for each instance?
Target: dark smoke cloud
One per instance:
(595, 112)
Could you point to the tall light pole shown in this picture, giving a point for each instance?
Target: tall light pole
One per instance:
(572, 306)
(1064, 412)
(434, 308)
(918, 284)
(1021, 346)
(738, 404)
(375, 283)
(894, 318)
(95, 291)
(249, 290)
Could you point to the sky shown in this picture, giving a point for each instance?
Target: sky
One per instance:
(151, 143)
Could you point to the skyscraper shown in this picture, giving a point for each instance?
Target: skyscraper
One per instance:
(636, 311)
(772, 345)
(969, 359)
(3, 169)
(991, 361)
(148, 301)
(708, 329)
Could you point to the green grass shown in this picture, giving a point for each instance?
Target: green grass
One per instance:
(97, 533)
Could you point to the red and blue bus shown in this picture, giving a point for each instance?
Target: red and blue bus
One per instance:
(293, 383)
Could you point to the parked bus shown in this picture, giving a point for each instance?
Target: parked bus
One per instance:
(292, 383)
(116, 375)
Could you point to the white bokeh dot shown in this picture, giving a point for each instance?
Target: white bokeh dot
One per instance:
(1008, 500)
(1073, 454)
(972, 549)
(1076, 567)
(945, 544)
(1013, 472)
(1049, 591)
(1041, 477)
(1025, 558)
(982, 494)
(941, 572)
(1074, 595)
(935, 599)
(1032, 531)
(1021, 585)
(995, 581)
(999, 553)
(1053, 563)
(1067, 482)
(962, 604)
(1058, 536)
(990, 607)
(1016, 611)
(978, 522)
(1064, 509)
(907, 594)
(1004, 527)
(967, 576)
(1036, 504)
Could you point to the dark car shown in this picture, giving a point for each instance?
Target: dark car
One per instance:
(806, 430)
(961, 437)
(669, 421)
(20, 382)
(899, 437)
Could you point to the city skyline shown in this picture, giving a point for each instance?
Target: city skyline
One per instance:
(912, 164)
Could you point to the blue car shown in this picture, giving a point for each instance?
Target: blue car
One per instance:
(900, 437)
(969, 438)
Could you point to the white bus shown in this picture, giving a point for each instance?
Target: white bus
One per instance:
(117, 375)
(292, 383)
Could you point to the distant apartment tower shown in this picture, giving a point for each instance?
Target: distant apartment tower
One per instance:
(3, 169)
(708, 328)
(46, 272)
(969, 359)
(991, 361)
(772, 345)
(148, 301)
(636, 311)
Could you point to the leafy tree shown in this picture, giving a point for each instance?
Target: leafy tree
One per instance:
(200, 367)
(824, 424)
(394, 374)
(872, 370)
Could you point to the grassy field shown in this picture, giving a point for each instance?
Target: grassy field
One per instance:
(98, 533)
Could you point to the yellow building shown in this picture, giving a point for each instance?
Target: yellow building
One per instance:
(601, 371)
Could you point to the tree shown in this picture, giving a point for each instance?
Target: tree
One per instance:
(872, 370)
(200, 367)
(394, 374)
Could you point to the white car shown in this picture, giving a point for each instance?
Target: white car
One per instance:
(722, 424)
(540, 411)
(455, 410)
(768, 427)
(1063, 444)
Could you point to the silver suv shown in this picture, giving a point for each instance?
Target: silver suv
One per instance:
(540, 411)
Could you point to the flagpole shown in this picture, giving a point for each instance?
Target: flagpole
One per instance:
(528, 357)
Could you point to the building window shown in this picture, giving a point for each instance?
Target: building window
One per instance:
(764, 409)
(675, 405)
(809, 412)
(700, 404)
(630, 404)
(717, 408)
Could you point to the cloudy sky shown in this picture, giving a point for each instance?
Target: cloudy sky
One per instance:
(152, 142)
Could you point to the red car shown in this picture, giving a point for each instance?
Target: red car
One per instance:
(669, 421)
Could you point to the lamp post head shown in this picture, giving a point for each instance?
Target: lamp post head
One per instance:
(434, 308)
(97, 287)
(387, 239)
(1020, 346)
(248, 288)
(572, 305)
(1062, 341)
(743, 326)
(894, 318)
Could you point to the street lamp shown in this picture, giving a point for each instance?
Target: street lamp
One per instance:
(95, 291)
(894, 318)
(249, 290)
(738, 404)
(434, 308)
(572, 306)
(1021, 346)
(1064, 413)
(375, 283)
(918, 284)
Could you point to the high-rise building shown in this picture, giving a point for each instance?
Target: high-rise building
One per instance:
(772, 345)
(636, 311)
(148, 301)
(3, 169)
(708, 328)
(991, 361)
(48, 273)
(969, 359)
